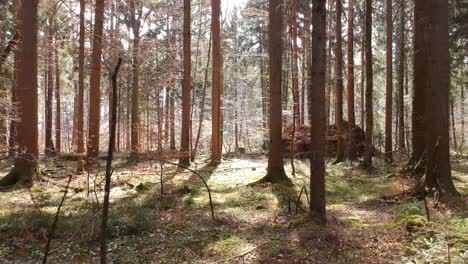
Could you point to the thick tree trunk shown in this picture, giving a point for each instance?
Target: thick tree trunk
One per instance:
(421, 20)
(369, 149)
(26, 79)
(389, 82)
(186, 87)
(216, 146)
(95, 90)
(317, 120)
(340, 151)
(438, 172)
(352, 155)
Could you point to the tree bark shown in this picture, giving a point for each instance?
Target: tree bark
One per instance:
(95, 90)
(80, 112)
(438, 172)
(275, 169)
(26, 77)
(318, 119)
(389, 82)
(135, 132)
(216, 147)
(340, 151)
(58, 108)
(186, 89)
(401, 76)
(369, 148)
(49, 143)
(295, 82)
(352, 155)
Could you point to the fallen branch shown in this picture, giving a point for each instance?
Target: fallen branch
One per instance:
(54, 224)
(242, 254)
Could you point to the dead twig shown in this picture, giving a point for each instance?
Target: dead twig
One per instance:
(54, 224)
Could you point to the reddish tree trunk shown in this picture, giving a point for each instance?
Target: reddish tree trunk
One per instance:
(58, 114)
(295, 81)
(95, 90)
(401, 77)
(49, 143)
(135, 124)
(186, 89)
(216, 147)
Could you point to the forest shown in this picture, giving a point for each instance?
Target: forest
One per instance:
(233, 131)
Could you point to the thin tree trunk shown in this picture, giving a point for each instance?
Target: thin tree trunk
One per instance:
(401, 75)
(453, 125)
(49, 143)
(135, 132)
(186, 89)
(340, 151)
(216, 144)
(462, 116)
(389, 82)
(369, 148)
(80, 112)
(295, 83)
(352, 155)
(58, 114)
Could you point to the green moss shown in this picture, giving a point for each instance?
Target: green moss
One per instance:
(413, 221)
(143, 186)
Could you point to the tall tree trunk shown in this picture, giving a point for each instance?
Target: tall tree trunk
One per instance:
(352, 155)
(186, 89)
(369, 148)
(49, 143)
(13, 116)
(135, 133)
(401, 77)
(167, 116)
(295, 83)
(58, 114)
(340, 151)
(264, 84)
(389, 82)
(80, 112)
(275, 169)
(317, 120)
(95, 90)
(26, 77)
(421, 20)
(216, 147)
(438, 171)
(462, 116)
(363, 80)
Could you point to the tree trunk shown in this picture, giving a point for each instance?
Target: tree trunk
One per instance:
(135, 133)
(438, 173)
(80, 112)
(275, 169)
(58, 114)
(462, 116)
(26, 78)
(95, 89)
(352, 155)
(452, 124)
(363, 81)
(186, 89)
(340, 151)
(401, 76)
(317, 120)
(295, 83)
(389, 82)
(49, 143)
(421, 20)
(369, 148)
(264, 85)
(172, 113)
(216, 147)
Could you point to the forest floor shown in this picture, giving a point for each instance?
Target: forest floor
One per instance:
(370, 220)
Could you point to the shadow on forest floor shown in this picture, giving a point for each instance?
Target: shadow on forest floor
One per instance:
(253, 224)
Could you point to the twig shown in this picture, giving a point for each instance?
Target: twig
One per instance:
(196, 173)
(242, 254)
(54, 224)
